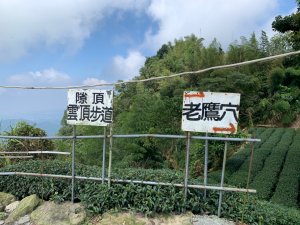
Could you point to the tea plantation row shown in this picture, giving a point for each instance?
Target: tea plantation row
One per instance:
(288, 188)
(275, 170)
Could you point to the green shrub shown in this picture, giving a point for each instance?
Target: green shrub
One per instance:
(287, 189)
(22, 128)
(267, 178)
(288, 118)
(99, 198)
(281, 106)
(2, 215)
(240, 160)
(275, 169)
(276, 77)
(292, 77)
(239, 178)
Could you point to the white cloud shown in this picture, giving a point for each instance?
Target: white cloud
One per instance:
(53, 23)
(93, 81)
(225, 20)
(35, 104)
(129, 66)
(47, 76)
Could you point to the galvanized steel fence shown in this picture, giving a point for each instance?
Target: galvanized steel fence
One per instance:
(108, 179)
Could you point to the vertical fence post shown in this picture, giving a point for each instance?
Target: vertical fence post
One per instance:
(103, 155)
(187, 158)
(250, 165)
(205, 164)
(110, 154)
(73, 161)
(222, 178)
(248, 178)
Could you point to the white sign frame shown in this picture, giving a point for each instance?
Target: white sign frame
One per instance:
(211, 112)
(90, 107)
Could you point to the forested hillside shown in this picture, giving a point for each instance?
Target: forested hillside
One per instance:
(270, 94)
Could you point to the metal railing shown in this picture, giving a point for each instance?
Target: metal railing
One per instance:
(103, 179)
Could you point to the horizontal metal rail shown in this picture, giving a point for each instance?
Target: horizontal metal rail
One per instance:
(16, 157)
(134, 136)
(184, 137)
(215, 188)
(37, 152)
(7, 173)
(50, 137)
(41, 175)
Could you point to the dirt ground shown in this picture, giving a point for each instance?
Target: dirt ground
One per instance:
(130, 218)
(296, 124)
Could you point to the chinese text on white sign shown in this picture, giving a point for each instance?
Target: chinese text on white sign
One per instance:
(90, 107)
(211, 112)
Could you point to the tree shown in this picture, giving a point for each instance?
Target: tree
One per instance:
(143, 117)
(88, 151)
(24, 129)
(280, 43)
(156, 106)
(264, 45)
(162, 51)
(276, 78)
(252, 49)
(289, 24)
(235, 53)
(213, 55)
(184, 55)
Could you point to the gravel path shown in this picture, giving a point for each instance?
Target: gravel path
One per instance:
(210, 220)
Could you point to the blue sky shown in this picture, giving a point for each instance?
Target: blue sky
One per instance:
(76, 42)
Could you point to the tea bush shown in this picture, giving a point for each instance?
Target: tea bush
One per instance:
(267, 178)
(99, 198)
(287, 190)
(239, 178)
(275, 168)
(234, 163)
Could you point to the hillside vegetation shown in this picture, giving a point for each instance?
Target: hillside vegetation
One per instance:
(99, 198)
(270, 95)
(275, 170)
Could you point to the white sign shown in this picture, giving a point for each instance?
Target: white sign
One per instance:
(89, 107)
(210, 112)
